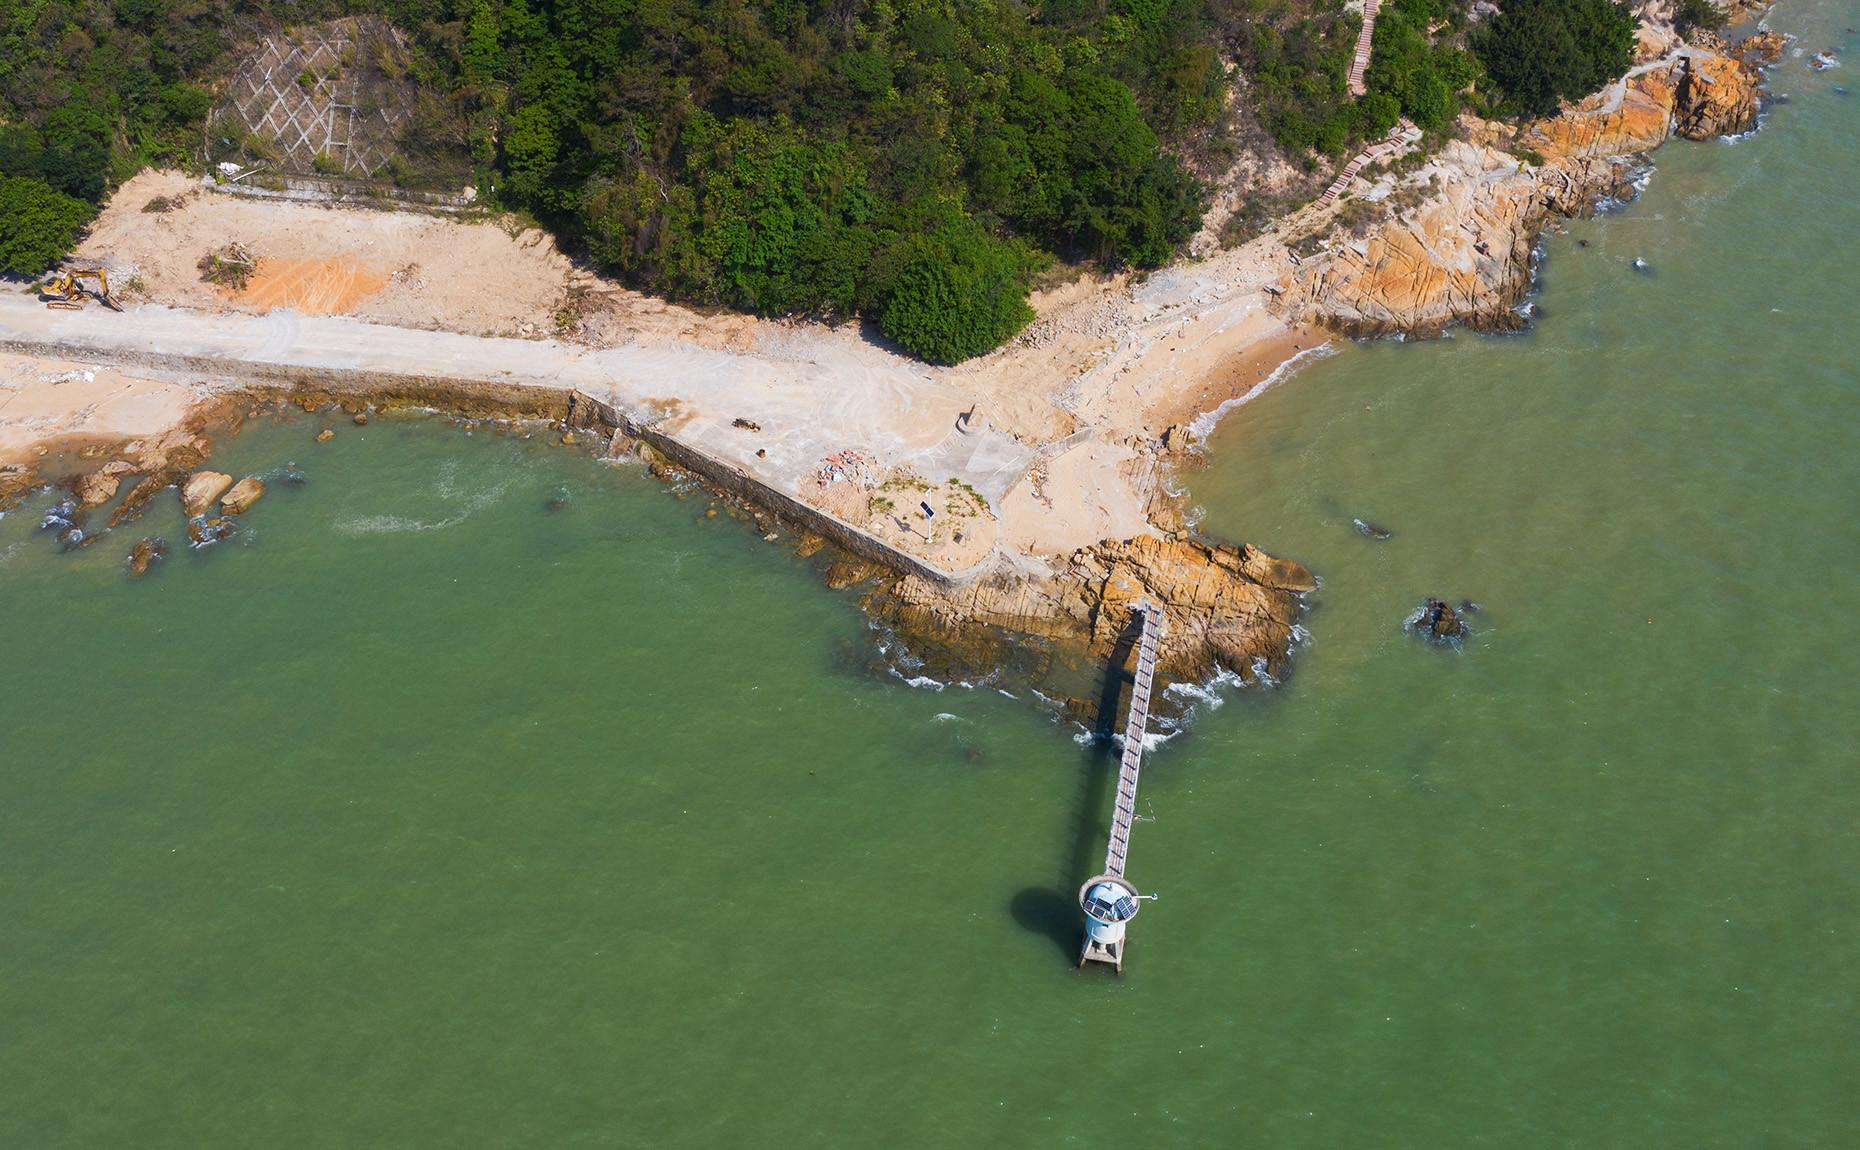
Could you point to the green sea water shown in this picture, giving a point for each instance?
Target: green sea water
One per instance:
(479, 794)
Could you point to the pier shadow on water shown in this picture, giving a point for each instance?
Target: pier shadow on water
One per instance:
(1053, 910)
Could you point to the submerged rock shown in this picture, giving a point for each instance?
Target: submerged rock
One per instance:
(203, 532)
(1379, 534)
(144, 554)
(243, 494)
(199, 490)
(1436, 621)
(325, 435)
(845, 571)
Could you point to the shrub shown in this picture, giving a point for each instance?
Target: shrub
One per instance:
(959, 293)
(38, 225)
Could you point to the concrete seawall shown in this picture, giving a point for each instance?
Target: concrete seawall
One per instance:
(463, 395)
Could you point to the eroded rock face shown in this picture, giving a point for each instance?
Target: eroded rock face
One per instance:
(199, 490)
(1463, 256)
(242, 495)
(96, 488)
(1637, 119)
(1717, 97)
(1229, 608)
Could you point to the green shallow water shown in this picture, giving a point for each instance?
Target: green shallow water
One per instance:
(426, 815)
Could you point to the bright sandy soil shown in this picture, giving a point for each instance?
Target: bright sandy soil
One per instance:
(1061, 445)
(47, 404)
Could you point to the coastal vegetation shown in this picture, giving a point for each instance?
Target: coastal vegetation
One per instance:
(912, 163)
(1539, 52)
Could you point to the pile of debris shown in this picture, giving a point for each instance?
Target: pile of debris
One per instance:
(848, 466)
(230, 267)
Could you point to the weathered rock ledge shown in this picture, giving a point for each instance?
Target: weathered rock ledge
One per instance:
(1463, 255)
(1228, 608)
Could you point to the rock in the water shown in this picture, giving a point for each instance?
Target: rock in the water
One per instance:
(97, 488)
(1717, 97)
(199, 490)
(1229, 608)
(1436, 621)
(325, 435)
(1379, 534)
(202, 532)
(243, 494)
(361, 419)
(145, 553)
(61, 517)
(843, 573)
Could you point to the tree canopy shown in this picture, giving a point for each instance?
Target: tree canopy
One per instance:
(38, 225)
(1540, 52)
(814, 156)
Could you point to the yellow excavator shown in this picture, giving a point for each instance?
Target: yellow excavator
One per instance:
(67, 289)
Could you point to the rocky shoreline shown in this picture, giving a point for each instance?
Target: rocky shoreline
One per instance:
(1453, 245)
(1465, 254)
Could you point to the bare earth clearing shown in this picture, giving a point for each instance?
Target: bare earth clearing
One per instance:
(1044, 447)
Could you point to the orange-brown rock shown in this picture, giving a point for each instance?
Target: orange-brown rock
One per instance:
(1227, 607)
(1463, 255)
(96, 488)
(1717, 97)
(199, 490)
(1633, 117)
(144, 554)
(1763, 49)
(242, 495)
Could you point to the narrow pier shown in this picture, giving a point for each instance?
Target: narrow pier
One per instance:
(1136, 725)
(1109, 900)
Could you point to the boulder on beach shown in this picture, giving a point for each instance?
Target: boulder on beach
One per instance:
(199, 490)
(242, 495)
(1437, 622)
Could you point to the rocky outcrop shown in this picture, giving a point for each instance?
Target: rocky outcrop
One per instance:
(1229, 608)
(144, 554)
(96, 488)
(1637, 116)
(199, 490)
(1463, 255)
(1717, 97)
(242, 495)
(1437, 622)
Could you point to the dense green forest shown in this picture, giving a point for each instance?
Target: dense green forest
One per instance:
(912, 161)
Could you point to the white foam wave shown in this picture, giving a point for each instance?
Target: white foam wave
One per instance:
(1204, 424)
(446, 486)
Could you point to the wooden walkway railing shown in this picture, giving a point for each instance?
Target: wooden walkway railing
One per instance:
(1135, 726)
